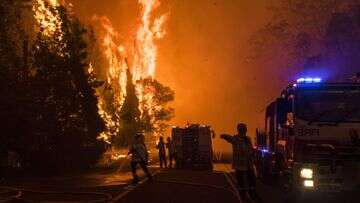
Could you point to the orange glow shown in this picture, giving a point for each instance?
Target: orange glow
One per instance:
(114, 54)
(146, 51)
(109, 122)
(204, 58)
(116, 61)
(90, 68)
(144, 54)
(47, 16)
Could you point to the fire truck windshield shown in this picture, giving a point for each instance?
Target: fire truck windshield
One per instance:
(328, 105)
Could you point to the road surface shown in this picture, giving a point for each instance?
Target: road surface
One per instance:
(168, 186)
(98, 186)
(178, 186)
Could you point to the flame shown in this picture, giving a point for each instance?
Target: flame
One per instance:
(116, 60)
(115, 55)
(90, 69)
(109, 122)
(146, 50)
(47, 16)
(144, 56)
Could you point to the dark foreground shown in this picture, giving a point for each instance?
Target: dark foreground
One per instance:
(113, 186)
(184, 186)
(168, 186)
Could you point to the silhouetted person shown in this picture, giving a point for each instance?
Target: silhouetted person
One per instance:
(139, 156)
(243, 161)
(171, 150)
(162, 153)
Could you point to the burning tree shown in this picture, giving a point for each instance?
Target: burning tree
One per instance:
(59, 117)
(129, 114)
(51, 92)
(162, 112)
(131, 99)
(14, 80)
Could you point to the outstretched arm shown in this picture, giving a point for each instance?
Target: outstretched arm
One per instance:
(227, 137)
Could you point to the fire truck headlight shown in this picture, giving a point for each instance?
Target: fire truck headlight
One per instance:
(308, 183)
(306, 173)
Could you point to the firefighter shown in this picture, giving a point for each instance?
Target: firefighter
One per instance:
(139, 156)
(162, 152)
(171, 150)
(243, 161)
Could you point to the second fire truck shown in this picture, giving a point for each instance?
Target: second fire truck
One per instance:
(311, 135)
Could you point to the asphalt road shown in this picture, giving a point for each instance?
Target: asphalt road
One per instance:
(96, 186)
(168, 186)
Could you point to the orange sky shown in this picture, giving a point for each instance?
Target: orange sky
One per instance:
(202, 57)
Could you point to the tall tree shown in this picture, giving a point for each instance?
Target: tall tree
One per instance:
(14, 75)
(66, 104)
(129, 114)
(48, 106)
(161, 110)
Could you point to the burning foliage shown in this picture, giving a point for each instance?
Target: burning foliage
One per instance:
(127, 99)
(49, 107)
(67, 87)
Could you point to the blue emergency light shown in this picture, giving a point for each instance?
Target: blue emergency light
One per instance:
(264, 151)
(309, 80)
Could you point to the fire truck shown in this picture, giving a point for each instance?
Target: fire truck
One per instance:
(311, 136)
(193, 146)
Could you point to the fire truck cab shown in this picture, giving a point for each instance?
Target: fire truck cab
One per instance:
(311, 135)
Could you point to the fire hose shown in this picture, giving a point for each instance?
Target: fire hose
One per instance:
(17, 194)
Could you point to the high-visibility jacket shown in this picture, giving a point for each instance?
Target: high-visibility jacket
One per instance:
(242, 152)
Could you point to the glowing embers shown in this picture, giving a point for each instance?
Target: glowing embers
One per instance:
(48, 18)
